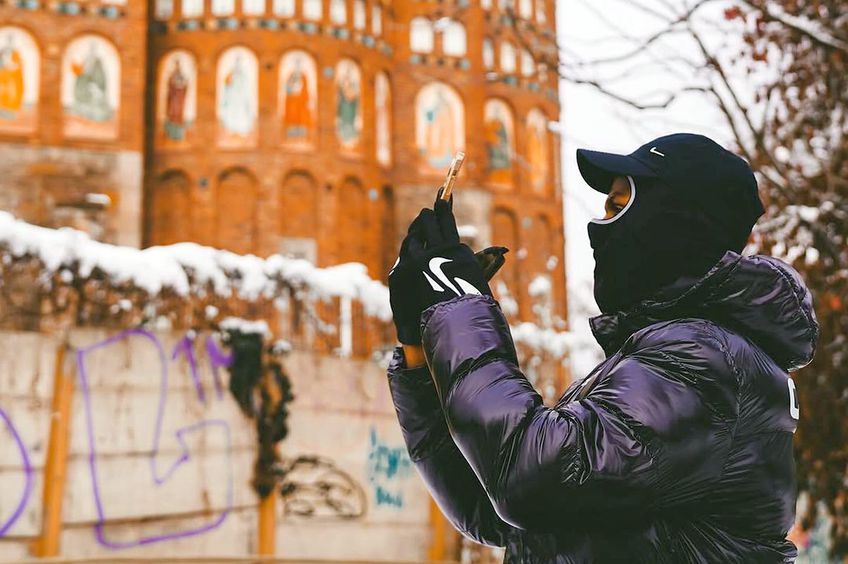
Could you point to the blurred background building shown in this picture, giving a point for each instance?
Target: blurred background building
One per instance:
(314, 129)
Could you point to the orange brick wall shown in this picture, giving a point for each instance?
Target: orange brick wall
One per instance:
(249, 200)
(44, 169)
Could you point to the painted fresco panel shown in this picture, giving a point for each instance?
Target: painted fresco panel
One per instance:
(383, 103)
(237, 98)
(348, 105)
(91, 83)
(538, 157)
(20, 73)
(298, 98)
(176, 109)
(439, 126)
(500, 141)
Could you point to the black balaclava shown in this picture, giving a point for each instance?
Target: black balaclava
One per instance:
(659, 236)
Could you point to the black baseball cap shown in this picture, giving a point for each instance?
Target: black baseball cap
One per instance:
(720, 182)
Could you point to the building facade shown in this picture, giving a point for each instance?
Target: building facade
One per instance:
(317, 128)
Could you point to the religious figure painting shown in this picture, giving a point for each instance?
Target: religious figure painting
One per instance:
(177, 100)
(537, 150)
(19, 80)
(500, 141)
(439, 126)
(298, 98)
(348, 104)
(237, 98)
(91, 82)
(383, 109)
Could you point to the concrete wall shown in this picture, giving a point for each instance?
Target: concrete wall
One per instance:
(160, 463)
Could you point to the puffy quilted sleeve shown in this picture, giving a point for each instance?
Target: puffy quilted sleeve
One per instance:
(653, 433)
(446, 473)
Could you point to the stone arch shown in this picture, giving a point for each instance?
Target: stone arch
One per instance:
(236, 199)
(169, 209)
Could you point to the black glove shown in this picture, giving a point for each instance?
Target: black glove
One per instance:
(433, 266)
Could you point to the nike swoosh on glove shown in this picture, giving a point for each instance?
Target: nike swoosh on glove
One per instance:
(433, 266)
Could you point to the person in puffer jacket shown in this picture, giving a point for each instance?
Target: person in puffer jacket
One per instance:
(678, 447)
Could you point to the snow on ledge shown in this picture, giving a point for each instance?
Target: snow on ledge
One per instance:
(183, 265)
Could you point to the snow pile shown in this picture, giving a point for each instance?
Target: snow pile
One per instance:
(186, 268)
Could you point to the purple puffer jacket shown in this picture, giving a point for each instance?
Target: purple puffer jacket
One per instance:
(677, 448)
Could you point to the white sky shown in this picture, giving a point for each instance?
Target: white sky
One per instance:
(592, 120)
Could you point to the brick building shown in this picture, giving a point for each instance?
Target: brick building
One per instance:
(317, 128)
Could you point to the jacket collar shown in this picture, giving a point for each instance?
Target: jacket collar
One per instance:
(759, 297)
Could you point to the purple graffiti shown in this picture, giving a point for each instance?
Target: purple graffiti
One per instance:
(186, 346)
(27, 468)
(218, 359)
(159, 476)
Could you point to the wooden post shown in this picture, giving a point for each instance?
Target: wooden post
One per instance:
(436, 552)
(268, 524)
(55, 467)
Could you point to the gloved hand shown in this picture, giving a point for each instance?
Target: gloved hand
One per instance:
(433, 266)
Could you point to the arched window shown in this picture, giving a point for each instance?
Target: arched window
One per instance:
(439, 126)
(312, 9)
(453, 40)
(352, 195)
(359, 14)
(284, 8)
(338, 12)
(421, 35)
(528, 65)
(525, 9)
(223, 7)
(486, 4)
(91, 88)
(253, 7)
(376, 19)
(19, 81)
(505, 231)
(299, 206)
(170, 209)
(488, 53)
(236, 202)
(192, 8)
(507, 57)
(164, 9)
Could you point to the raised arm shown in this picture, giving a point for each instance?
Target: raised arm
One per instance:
(446, 473)
(644, 437)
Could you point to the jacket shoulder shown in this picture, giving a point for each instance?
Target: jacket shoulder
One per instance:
(693, 354)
